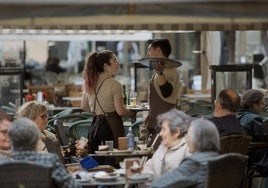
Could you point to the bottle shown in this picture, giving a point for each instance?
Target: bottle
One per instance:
(133, 99)
(131, 142)
(40, 96)
(126, 95)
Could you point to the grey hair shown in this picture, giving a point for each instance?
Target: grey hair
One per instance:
(24, 134)
(205, 135)
(176, 119)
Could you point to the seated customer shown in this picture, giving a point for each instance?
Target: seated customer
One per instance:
(37, 112)
(5, 124)
(251, 119)
(250, 115)
(204, 142)
(173, 149)
(24, 136)
(226, 107)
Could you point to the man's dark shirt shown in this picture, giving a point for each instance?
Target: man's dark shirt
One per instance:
(227, 125)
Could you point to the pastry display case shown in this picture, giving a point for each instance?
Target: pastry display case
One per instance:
(11, 86)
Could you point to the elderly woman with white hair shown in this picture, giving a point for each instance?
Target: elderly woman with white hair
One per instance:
(173, 149)
(204, 142)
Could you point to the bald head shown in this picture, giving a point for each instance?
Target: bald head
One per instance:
(229, 100)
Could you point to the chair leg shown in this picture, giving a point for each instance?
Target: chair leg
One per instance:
(260, 183)
(249, 179)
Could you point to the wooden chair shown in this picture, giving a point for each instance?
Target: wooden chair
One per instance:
(75, 91)
(61, 89)
(51, 98)
(75, 103)
(227, 170)
(236, 143)
(25, 174)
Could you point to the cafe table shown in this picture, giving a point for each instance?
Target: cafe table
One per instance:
(200, 96)
(122, 154)
(72, 98)
(120, 181)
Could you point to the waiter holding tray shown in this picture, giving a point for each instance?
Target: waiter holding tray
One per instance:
(164, 85)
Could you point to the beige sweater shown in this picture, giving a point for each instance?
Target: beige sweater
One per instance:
(4, 153)
(172, 76)
(164, 159)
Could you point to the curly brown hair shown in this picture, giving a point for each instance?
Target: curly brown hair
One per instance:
(31, 110)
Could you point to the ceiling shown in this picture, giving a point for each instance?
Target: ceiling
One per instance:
(150, 15)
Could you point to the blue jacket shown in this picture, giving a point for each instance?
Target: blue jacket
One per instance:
(191, 172)
(253, 124)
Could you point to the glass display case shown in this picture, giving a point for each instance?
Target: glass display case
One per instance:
(11, 86)
(140, 78)
(237, 77)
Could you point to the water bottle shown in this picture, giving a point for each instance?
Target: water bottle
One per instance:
(131, 142)
(40, 96)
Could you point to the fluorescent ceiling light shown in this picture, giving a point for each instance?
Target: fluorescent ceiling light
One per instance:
(72, 35)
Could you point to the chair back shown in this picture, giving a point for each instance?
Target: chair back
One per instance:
(227, 170)
(136, 127)
(79, 128)
(236, 143)
(76, 103)
(196, 108)
(65, 118)
(25, 174)
(258, 161)
(61, 133)
(265, 124)
(156, 142)
(53, 146)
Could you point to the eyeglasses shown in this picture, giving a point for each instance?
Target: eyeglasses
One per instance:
(4, 132)
(44, 116)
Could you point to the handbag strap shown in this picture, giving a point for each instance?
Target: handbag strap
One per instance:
(96, 97)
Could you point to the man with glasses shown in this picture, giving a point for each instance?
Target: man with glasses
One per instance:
(5, 124)
(226, 108)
